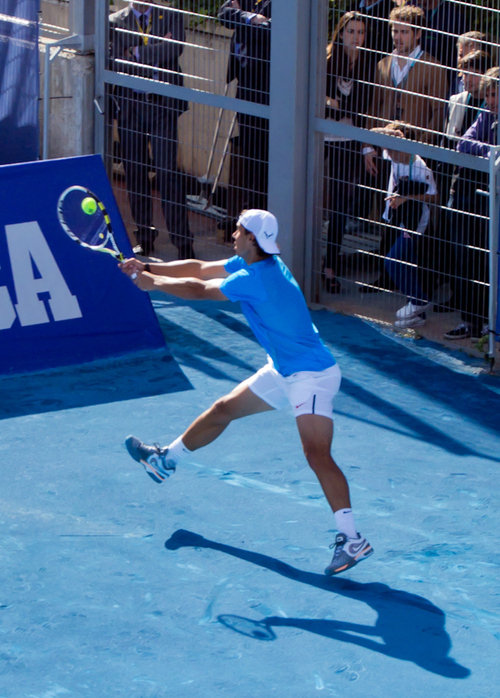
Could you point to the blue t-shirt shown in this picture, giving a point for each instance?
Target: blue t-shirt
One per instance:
(276, 310)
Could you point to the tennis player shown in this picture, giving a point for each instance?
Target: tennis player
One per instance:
(300, 372)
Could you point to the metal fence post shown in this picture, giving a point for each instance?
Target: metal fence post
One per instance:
(101, 12)
(315, 156)
(288, 127)
(494, 226)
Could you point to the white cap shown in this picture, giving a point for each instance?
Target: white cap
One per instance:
(264, 226)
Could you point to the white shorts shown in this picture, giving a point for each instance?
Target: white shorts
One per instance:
(308, 392)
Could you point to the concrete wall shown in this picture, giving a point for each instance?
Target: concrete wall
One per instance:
(197, 126)
(55, 12)
(71, 124)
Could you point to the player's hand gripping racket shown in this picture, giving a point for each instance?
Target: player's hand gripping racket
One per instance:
(84, 218)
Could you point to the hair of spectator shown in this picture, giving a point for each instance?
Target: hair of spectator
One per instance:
(408, 14)
(335, 55)
(472, 37)
(476, 60)
(490, 79)
(343, 22)
(408, 131)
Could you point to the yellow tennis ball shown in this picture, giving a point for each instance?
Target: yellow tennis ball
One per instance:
(89, 205)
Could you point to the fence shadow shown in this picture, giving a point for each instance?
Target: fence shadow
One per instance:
(100, 382)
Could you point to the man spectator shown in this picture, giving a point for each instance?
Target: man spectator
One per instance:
(409, 85)
(463, 110)
(147, 40)
(468, 42)
(469, 217)
(249, 63)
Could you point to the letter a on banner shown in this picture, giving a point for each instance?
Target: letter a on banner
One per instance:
(7, 312)
(27, 246)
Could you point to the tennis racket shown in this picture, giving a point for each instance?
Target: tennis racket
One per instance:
(84, 218)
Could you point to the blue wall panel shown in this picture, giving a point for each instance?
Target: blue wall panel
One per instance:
(62, 304)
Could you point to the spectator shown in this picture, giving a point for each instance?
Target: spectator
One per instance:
(445, 21)
(410, 86)
(469, 218)
(249, 63)
(147, 40)
(349, 86)
(410, 190)
(463, 109)
(468, 42)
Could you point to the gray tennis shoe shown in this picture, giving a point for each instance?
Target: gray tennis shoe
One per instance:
(348, 552)
(154, 459)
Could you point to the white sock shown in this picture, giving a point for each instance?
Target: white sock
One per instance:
(177, 451)
(344, 518)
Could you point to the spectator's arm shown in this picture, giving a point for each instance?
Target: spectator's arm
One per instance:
(472, 142)
(230, 15)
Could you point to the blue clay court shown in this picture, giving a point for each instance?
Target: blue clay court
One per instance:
(211, 584)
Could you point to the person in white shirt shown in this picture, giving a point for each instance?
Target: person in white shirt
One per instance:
(410, 190)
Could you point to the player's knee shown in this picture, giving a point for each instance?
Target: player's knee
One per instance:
(318, 456)
(222, 411)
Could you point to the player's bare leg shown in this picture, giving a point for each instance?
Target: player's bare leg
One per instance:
(240, 402)
(160, 462)
(316, 433)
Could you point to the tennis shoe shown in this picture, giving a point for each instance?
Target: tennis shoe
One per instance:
(347, 553)
(154, 459)
(461, 331)
(411, 310)
(407, 323)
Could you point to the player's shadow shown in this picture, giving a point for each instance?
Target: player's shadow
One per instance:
(408, 627)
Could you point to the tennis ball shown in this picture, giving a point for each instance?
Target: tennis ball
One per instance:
(89, 205)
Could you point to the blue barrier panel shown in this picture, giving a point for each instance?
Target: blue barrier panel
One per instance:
(60, 303)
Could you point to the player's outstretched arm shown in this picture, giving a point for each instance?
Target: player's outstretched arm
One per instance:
(189, 268)
(187, 288)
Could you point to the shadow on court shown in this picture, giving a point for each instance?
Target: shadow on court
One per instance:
(462, 393)
(408, 627)
(410, 423)
(97, 383)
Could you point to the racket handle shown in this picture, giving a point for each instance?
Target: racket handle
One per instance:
(134, 276)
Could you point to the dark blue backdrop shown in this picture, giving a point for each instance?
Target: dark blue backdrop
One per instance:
(19, 80)
(60, 303)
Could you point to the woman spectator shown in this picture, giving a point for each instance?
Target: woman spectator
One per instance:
(349, 84)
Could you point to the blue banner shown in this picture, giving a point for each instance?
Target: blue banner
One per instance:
(61, 303)
(19, 80)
